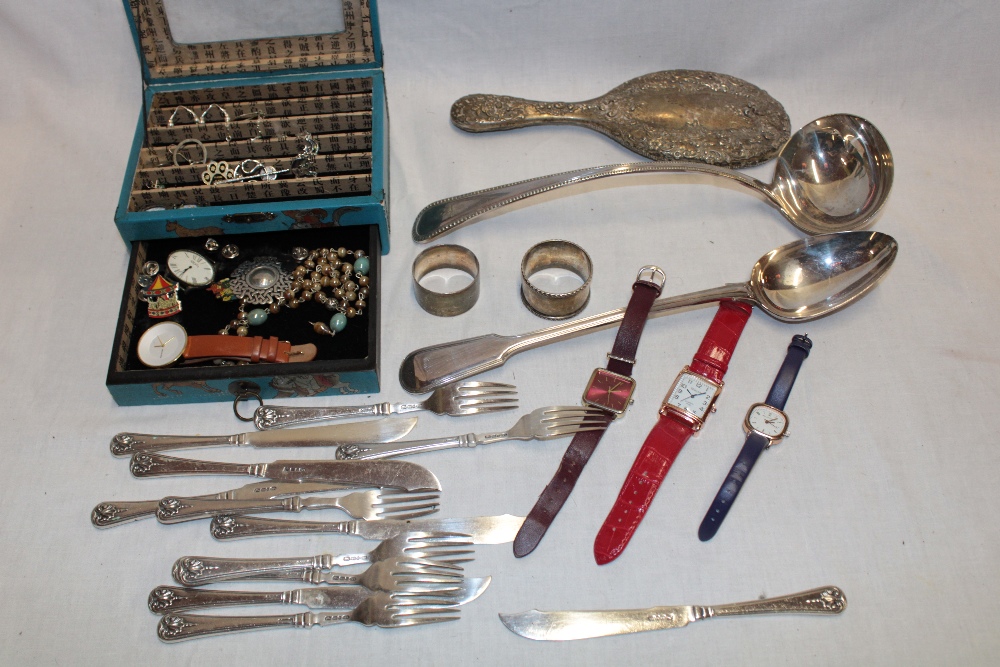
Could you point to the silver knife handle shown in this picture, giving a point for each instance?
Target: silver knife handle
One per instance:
(371, 450)
(276, 416)
(178, 510)
(127, 444)
(177, 627)
(157, 465)
(825, 600)
(197, 570)
(165, 599)
(118, 512)
(232, 527)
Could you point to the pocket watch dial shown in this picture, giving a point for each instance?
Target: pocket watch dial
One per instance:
(692, 394)
(767, 420)
(190, 268)
(162, 344)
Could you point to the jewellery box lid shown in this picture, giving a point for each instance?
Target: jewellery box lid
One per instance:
(358, 46)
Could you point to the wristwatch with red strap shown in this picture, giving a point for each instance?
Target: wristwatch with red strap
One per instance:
(609, 389)
(683, 412)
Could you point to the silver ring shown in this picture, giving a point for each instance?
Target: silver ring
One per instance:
(556, 255)
(446, 304)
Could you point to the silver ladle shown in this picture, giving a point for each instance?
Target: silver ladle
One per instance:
(797, 282)
(833, 175)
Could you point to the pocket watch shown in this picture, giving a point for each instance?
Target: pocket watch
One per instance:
(191, 268)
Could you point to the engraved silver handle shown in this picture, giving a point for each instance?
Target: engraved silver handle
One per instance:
(157, 465)
(164, 599)
(278, 416)
(114, 513)
(368, 451)
(825, 600)
(127, 444)
(177, 627)
(488, 113)
(198, 570)
(232, 527)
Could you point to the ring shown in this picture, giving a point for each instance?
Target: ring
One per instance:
(178, 147)
(446, 304)
(556, 255)
(245, 395)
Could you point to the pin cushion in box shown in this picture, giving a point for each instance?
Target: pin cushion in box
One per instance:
(253, 135)
(299, 309)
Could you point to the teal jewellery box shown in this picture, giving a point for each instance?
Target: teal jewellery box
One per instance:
(255, 201)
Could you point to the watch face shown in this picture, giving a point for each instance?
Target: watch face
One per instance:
(767, 420)
(609, 390)
(692, 394)
(190, 268)
(162, 344)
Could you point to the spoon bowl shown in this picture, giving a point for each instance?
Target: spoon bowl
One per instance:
(797, 282)
(832, 175)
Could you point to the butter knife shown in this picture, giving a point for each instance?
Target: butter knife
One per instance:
(388, 474)
(332, 435)
(566, 625)
(116, 512)
(480, 530)
(167, 599)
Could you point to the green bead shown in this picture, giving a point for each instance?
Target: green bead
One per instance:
(361, 266)
(257, 316)
(338, 322)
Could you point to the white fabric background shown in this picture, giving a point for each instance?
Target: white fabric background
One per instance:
(887, 487)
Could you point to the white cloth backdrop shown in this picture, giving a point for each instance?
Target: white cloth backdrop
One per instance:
(886, 489)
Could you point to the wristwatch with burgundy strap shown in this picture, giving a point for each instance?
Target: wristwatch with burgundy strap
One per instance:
(766, 424)
(611, 390)
(683, 412)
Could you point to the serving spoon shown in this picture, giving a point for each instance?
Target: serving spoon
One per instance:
(677, 114)
(833, 175)
(797, 282)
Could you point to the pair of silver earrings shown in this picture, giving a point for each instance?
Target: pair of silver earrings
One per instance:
(202, 119)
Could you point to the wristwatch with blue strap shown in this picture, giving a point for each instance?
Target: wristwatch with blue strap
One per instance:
(766, 424)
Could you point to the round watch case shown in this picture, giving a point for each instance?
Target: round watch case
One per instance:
(191, 268)
(162, 344)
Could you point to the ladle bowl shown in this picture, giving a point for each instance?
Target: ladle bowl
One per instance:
(797, 282)
(832, 175)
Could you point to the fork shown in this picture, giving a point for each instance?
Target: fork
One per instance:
(542, 424)
(443, 548)
(455, 400)
(386, 610)
(399, 573)
(364, 505)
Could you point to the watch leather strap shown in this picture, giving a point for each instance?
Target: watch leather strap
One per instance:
(620, 361)
(755, 443)
(667, 437)
(253, 349)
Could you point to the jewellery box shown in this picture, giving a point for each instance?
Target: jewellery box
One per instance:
(253, 159)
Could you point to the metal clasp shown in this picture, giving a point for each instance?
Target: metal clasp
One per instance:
(656, 275)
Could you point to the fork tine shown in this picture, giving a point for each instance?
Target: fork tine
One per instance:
(476, 384)
(397, 506)
(483, 410)
(486, 400)
(570, 430)
(411, 515)
(403, 497)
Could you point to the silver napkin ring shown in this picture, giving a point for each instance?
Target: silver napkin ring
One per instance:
(556, 254)
(446, 304)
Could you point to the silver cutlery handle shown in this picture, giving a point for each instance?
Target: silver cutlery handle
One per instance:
(233, 527)
(198, 570)
(177, 627)
(114, 513)
(825, 600)
(127, 444)
(371, 450)
(165, 599)
(276, 416)
(178, 510)
(157, 465)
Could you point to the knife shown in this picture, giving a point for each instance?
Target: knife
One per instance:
(480, 529)
(168, 599)
(387, 474)
(332, 435)
(566, 625)
(116, 512)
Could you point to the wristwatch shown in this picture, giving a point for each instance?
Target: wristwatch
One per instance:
(166, 342)
(766, 424)
(611, 390)
(690, 400)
